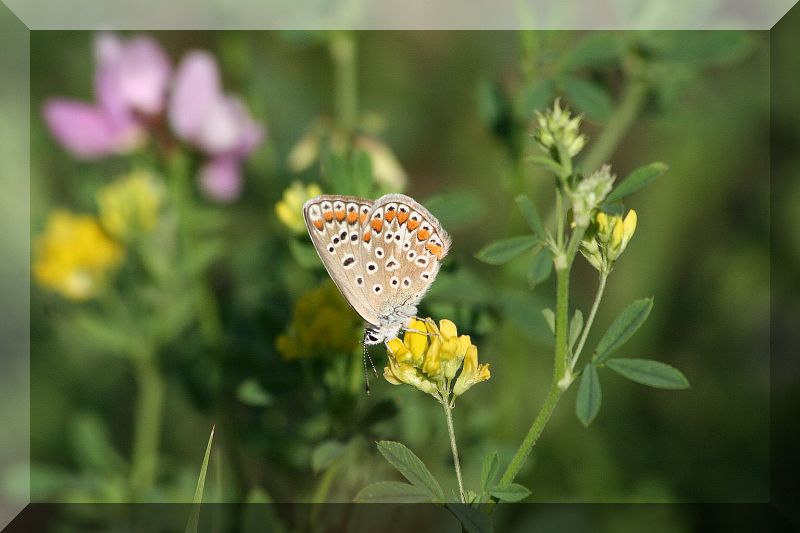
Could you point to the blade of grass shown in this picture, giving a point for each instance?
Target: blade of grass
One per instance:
(194, 517)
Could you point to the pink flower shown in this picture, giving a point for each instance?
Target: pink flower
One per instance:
(130, 84)
(215, 123)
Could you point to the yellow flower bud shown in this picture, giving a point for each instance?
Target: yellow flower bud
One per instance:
(471, 372)
(290, 209)
(129, 206)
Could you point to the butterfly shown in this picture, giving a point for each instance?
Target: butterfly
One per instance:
(382, 255)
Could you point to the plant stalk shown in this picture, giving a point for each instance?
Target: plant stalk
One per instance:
(147, 427)
(618, 125)
(454, 447)
(590, 320)
(342, 48)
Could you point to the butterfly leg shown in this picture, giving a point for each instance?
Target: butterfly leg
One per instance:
(365, 357)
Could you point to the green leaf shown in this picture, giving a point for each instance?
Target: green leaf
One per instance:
(531, 214)
(336, 169)
(597, 49)
(532, 97)
(250, 392)
(623, 327)
(638, 179)
(699, 47)
(489, 470)
(362, 172)
(393, 492)
(471, 519)
(575, 327)
(590, 396)
(547, 163)
(550, 318)
(455, 208)
(541, 267)
(588, 97)
(513, 492)
(500, 252)
(194, 516)
(305, 255)
(649, 372)
(412, 468)
(325, 454)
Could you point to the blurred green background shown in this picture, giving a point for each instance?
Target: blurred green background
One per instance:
(454, 107)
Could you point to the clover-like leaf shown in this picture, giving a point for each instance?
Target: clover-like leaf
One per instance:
(623, 327)
(512, 492)
(590, 396)
(650, 373)
(636, 180)
(412, 468)
(505, 250)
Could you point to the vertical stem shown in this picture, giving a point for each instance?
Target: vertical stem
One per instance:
(599, 296)
(533, 434)
(619, 123)
(147, 427)
(342, 48)
(562, 324)
(454, 447)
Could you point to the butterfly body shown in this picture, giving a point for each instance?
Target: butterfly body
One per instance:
(382, 255)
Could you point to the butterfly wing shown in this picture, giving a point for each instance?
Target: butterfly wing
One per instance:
(335, 224)
(403, 246)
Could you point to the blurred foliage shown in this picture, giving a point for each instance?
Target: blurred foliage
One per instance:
(455, 109)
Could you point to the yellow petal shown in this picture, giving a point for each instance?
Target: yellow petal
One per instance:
(447, 329)
(630, 224)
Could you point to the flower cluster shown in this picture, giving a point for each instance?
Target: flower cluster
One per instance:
(587, 195)
(75, 256)
(607, 238)
(558, 126)
(430, 356)
(323, 325)
(135, 87)
(290, 208)
(129, 206)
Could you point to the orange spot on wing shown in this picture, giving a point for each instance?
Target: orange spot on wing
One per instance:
(352, 216)
(412, 225)
(367, 236)
(423, 234)
(362, 219)
(377, 224)
(402, 217)
(435, 249)
(389, 216)
(328, 216)
(319, 224)
(339, 215)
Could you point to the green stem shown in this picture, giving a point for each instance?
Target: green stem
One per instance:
(562, 325)
(454, 447)
(623, 118)
(342, 48)
(533, 434)
(148, 425)
(599, 296)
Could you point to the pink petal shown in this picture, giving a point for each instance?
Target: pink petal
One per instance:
(133, 74)
(88, 131)
(221, 179)
(228, 129)
(196, 89)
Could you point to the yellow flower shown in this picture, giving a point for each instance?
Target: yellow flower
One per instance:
(74, 256)
(430, 356)
(471, 372)
(129, 206)
(290, 208)
(322, 325)
(607, 239)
